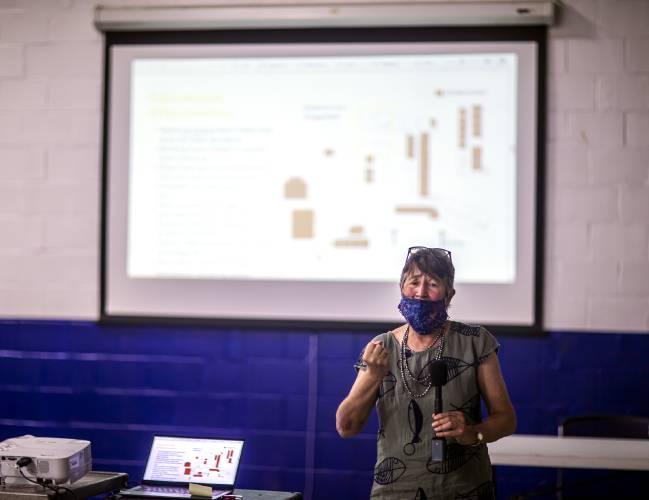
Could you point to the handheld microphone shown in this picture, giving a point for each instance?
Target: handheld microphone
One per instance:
(438, 377)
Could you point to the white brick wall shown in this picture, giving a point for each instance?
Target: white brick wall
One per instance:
(569, 92)
(624, 242)
(602, 55)
(617, 314)
(598, 214)
(597, 129)
(619, 166)
(636, 54)
(637, 128)
(23, 94)
(11, 127)
(11, 55)
(50, 102)
(597, 248)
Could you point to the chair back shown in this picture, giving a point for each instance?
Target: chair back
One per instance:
(600, 484)
(611, 426)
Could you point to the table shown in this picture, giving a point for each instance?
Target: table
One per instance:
(93, 483)
(98, 483)
(571, 452)
(246, 495)
(267, 495)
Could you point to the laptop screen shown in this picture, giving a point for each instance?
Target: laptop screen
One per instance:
(193, 460)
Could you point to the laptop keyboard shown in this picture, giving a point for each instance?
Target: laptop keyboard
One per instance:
(165, 489)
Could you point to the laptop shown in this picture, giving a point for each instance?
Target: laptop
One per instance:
(174, 462)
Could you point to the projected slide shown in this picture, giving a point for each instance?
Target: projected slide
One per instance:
(322, 168)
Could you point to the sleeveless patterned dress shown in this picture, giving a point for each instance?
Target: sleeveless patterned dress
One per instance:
(403, 469)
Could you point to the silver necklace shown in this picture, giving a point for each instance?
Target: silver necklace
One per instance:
(404, 365)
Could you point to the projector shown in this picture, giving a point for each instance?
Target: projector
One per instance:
(53, 460)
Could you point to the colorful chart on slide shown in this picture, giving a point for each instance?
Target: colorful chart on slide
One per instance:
(322, 168)
(178, 460)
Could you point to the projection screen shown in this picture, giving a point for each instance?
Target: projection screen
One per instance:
(284, 182)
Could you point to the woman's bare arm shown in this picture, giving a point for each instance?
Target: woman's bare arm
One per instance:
(356, 408)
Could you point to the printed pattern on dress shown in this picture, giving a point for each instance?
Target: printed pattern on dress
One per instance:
(403, 438)
(471, 409)
(485, 491)
(424, 373)
(420, 495)
(466, 330)
(482, 358)
(456, 366)
(456, 456)
(416, 422)
(389, 383)
(389, 470)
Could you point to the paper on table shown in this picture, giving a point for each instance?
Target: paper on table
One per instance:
(198, 490)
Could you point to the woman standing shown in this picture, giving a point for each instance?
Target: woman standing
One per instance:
(394, 375)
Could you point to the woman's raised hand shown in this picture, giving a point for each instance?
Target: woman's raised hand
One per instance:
(377, 359)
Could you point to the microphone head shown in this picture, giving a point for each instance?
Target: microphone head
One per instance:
(438, 373)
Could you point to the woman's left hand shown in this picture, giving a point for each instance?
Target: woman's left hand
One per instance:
(453, 424)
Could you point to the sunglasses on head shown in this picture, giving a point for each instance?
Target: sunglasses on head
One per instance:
(435, 251)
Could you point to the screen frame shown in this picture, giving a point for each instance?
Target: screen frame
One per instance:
(536, 34)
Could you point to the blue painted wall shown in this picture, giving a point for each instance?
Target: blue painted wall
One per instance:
(117, 385)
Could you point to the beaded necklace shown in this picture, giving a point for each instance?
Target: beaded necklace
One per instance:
(405, 368)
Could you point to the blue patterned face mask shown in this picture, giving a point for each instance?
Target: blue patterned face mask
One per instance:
(425, 316)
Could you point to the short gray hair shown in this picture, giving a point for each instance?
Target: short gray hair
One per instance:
(434, 262)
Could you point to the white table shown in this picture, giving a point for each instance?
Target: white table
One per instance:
(571, 452)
